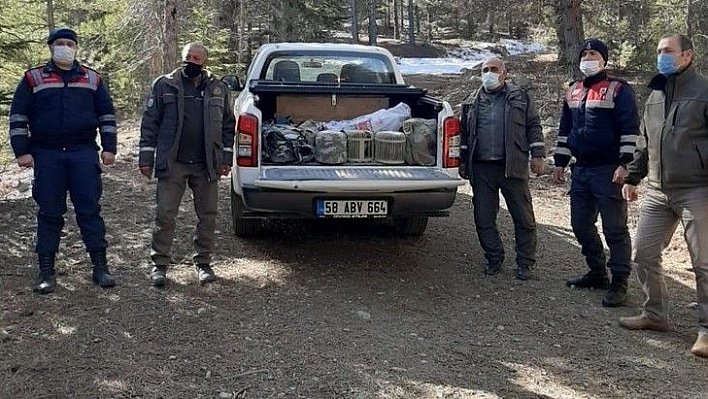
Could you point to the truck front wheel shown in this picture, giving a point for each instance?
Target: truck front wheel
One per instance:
(411, 226)
(243, 227)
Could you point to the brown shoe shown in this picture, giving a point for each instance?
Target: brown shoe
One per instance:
(642, 322)
(700, 348)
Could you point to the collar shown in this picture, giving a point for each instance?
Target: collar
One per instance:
(52, 67)
(659, 82)
(591, 80)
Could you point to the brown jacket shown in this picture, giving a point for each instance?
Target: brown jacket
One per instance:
(523, 132)
(161, 127)
(674, 152)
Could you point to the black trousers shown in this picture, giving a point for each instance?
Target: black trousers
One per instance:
(487, 181)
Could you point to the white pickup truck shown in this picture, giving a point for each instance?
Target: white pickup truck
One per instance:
(328, 82)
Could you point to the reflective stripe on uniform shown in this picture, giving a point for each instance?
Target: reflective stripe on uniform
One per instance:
(627, 149)
(19, 131)
(563, 151)
(609, 98)
(562, 139)
(85, 85)
(107, 118)
(147, 149)
(107, 129)
(537, 144)
(18, 118)
(43, 86)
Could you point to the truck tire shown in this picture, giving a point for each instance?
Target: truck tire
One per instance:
(243, 227)
(411, 226)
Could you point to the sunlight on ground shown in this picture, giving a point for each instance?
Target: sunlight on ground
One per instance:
(64, 329)
(427, 390)
(652, 362)
(117, 386)
(261, 273)
(541, 382)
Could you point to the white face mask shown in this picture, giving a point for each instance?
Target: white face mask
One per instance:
(63, 54)
(490, 80)
(590, 68)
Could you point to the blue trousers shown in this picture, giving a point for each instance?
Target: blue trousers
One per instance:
(79, 173)
(591, 192)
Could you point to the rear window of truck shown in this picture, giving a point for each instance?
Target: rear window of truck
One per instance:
(328, 67)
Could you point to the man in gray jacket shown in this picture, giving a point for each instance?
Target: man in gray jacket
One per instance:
(674, 160)
(186, 138)
(500, 127)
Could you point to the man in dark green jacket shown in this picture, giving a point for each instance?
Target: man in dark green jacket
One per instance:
(674, 159)
(500, 127)
(186, 138)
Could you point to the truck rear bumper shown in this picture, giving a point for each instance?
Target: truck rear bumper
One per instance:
(271, 203)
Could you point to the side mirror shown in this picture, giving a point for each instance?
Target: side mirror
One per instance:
(232, 82)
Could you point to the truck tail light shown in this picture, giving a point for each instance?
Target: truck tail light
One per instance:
(247, 140)
(451, 142)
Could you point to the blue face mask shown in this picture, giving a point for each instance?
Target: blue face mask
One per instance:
(666, 64)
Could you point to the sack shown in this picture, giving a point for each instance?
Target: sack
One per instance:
(421, 141)
(285, 144)
(383, 119)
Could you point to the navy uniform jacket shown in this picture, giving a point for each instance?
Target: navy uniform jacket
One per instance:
(56, 110)
(600, 124)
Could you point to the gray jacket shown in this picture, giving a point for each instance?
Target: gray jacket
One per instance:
(674, 152)
(161, 128)
(523, 133)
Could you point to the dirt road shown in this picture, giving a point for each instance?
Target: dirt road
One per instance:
(329, 310)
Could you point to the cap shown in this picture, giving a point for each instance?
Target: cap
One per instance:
(62, 33)
(594, 44)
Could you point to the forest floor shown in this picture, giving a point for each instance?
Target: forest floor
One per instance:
(332, 309)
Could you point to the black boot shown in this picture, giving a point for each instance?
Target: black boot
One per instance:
(593, 279)
(101, 274)
(46, 281)
(617, 294)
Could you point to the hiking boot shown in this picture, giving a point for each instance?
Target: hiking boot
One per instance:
(643, 322)
(101, 275)
(700, 348)
(205, 273)
(523, 273)
(46, 280)
(617, 294)
(590, 280)
(490, 269)
(158, 275)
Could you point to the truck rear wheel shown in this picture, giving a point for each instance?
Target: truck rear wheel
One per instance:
(411, 226)
(243, 227)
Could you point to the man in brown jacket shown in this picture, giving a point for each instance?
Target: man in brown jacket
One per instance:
(500, 128)
(675, 162)
(186, 138)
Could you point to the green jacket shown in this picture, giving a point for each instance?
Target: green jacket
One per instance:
(523, 132)
(674, 152)
(161, 127)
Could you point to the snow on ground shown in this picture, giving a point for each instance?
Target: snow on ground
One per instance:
(467, 56)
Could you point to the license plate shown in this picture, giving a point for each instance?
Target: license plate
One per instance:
(352, 208)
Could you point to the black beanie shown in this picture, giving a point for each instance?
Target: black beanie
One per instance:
(594, 44)
(62, 33)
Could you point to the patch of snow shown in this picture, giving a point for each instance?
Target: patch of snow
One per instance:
(467, 56)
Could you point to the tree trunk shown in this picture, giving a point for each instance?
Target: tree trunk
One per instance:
(170, 57)
(411, 22)
(396, 24)
(355, 23)
(372, 23)
(50, 15)
(569, 30)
